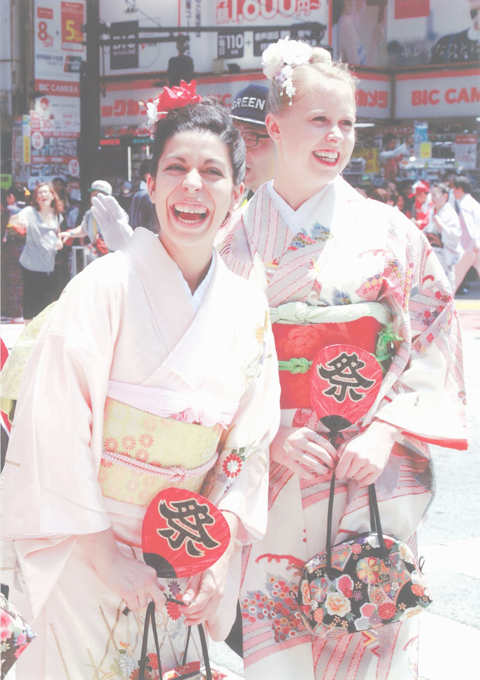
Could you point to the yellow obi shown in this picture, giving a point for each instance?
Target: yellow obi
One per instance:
(144, 453)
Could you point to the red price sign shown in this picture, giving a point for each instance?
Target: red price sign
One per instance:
(73, 16)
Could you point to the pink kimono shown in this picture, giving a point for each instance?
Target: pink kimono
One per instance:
(127, 392)
(355, 261)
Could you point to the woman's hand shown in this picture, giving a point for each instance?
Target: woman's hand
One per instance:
(59, 244)
(364, 457)
(133, 581)
(204, 591)
(303, 451)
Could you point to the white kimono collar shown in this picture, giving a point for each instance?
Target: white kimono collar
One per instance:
(295, 219)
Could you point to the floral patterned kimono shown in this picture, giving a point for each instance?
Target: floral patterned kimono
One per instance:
(127, 392)
(361, 264)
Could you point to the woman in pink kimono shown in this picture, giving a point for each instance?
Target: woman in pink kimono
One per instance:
(156, 368)
(337, 267)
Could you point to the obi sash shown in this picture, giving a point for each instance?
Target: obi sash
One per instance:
(144, 453)
(301, 331)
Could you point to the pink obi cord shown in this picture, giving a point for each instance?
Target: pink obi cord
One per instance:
(173, 474)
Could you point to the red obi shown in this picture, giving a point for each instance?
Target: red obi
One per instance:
(305, 341)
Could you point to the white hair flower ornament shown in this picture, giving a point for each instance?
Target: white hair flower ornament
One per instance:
(280, 58)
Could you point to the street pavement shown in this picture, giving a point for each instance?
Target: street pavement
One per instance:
(449, 539)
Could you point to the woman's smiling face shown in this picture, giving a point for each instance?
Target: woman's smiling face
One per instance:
(315, 136)
(193, 189)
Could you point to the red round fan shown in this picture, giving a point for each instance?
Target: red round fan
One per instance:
(344, 383)
(183, 533)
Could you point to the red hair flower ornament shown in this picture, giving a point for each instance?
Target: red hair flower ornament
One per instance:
(172, 98)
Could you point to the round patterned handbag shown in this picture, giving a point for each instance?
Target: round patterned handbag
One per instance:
(362, 583)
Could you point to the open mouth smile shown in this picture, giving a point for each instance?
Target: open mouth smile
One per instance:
(327, 157)
(190, 214)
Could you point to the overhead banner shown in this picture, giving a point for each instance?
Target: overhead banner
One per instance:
(435, 95)
(58, 41)
(432, 32)
(248, 23)
(359, 32)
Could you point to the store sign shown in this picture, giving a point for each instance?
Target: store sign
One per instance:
(204, 48)
(262, 11)
(57, 114)
(26, 140)
(58, 40)
(124, 50)
(466, 151)
(373, 96)
(262, 39)
(433, 95)
(230, 45)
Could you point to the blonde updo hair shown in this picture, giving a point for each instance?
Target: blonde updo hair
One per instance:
(321, 62)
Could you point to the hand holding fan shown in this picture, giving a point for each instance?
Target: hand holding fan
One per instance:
(183, 534)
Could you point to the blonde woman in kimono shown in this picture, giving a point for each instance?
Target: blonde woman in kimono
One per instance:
(325, 255)
(155, 369)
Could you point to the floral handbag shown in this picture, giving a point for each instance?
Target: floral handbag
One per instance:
(16, 635)
(362, 583)
(186, 670)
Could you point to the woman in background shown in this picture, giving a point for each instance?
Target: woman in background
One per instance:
(42, 221)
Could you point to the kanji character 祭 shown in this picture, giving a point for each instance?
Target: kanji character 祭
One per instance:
(187, 520)
(344, 376)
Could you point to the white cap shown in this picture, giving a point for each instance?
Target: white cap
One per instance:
(102, 186)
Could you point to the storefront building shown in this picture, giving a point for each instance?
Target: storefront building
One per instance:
(418, 65)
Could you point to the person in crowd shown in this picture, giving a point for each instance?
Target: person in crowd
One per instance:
(12, 245)
(42, 223)
(248, 111)
(156, 361)
(422, 206)
(142, 212)
(61, 272)
(89, 225)
(126, 195)
(401, 204)
(459, 48)
(391, 155)
(444, 232)
(318, 249)
(60, 186)
(468, 210)
(180, 67)
(405, 187)
(384, 196)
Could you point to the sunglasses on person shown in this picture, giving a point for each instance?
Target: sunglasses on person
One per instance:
(251, 139)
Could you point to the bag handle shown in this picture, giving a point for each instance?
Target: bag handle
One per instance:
(150, 617)
(375, 524)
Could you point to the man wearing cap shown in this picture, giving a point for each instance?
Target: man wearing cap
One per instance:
(89, 226)
(248, 112)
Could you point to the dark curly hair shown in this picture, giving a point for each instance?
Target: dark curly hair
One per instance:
(209, 115)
